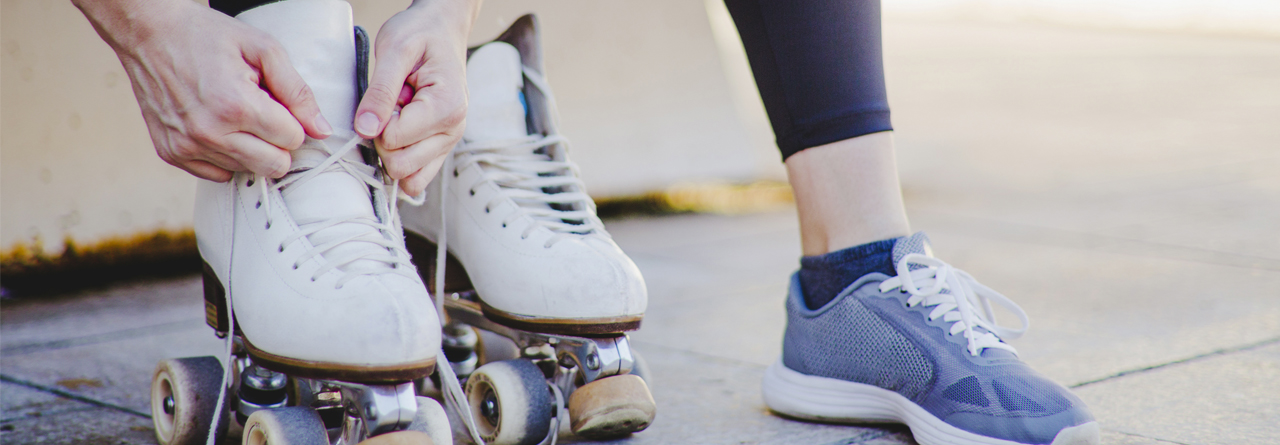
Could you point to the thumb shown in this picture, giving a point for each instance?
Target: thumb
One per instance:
(286, 86)
(380, 99)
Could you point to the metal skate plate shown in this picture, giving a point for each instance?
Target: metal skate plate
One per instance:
(580, 360)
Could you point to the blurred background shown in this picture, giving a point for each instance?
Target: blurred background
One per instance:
(1111, 165)
(653, 94)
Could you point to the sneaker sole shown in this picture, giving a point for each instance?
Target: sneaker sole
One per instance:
(824, 399)
(376, 374)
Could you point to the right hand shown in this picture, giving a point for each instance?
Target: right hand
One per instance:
(218, 96)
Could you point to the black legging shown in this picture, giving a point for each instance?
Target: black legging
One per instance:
(817, 63)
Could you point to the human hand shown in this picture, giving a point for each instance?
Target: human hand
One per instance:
(416, 106)
(218, 96)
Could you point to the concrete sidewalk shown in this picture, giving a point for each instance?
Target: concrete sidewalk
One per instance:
(1123, 188)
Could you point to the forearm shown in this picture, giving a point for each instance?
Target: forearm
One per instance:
(126, 24)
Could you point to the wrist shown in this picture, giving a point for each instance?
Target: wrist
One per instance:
(454, 16)
(127, 24)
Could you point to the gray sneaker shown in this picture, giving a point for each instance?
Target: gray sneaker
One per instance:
(921, 348)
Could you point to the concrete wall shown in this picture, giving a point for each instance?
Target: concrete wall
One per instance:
(642, 89)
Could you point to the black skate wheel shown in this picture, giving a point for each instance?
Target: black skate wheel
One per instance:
(294, 425)
(184, 394)
(511, 402)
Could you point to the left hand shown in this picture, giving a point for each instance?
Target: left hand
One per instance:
(416, 106)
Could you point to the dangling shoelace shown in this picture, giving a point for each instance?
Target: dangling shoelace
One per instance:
(522, 175)
(956, 305)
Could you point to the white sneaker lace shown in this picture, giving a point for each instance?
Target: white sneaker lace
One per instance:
(395, 258)
(956, 305)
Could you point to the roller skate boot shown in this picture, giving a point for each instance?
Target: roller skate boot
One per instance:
(307, 278)
(535, 290)
(920, 348)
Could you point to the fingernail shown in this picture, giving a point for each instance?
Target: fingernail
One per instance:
(323, 126)
(367, 124)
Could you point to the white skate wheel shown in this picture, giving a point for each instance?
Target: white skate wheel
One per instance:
(511, 402)
(294, 425)
(184, 392)
(406, 437)
(432, 420)
(611, 407)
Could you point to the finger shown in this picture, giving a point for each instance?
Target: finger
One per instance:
(414, 184)
(272, 122)
(222, 161)
(426, 115)
(404, 162)
(379, 100)
(257, 155)
(205, 170)
(287, 86)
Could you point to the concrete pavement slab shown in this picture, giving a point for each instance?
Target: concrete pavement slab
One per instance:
(1226, 399)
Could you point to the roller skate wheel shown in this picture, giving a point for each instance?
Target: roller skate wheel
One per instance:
(611, 407)
(432, 421)
(407, 437)
(184, 392)
(294, 425)
(511, 402)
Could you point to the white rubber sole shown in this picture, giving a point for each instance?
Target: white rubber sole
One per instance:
(823, 399)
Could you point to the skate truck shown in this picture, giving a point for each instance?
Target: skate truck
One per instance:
(522, 381)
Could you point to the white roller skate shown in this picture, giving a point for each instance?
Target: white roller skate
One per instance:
(327, 322)
(529, 264)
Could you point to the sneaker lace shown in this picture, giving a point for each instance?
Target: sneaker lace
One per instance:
(953, 294)
(394, 259)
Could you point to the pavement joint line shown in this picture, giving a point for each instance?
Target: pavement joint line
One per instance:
(1049, 236)
(48, 414)
(72, 396)
(123, 334)
(1144, 436)
(1216, 352)
(863, 438)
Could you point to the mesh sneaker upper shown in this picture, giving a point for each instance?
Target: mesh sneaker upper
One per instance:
(873, 337)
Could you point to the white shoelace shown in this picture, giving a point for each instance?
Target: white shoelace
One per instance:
(395, 259)
(522, 175)
(957, 304)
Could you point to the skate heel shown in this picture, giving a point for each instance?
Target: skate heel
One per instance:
(215, 301)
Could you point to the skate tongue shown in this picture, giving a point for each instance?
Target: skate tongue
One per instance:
(916, 243)
(495, 81)
(332, 194)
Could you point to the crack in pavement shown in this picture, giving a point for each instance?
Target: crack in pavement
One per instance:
(166, 328)
(1216, 352)
(72, 396)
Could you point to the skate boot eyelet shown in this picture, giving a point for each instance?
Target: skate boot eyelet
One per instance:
(268, 224)
(455, 172)
(486, 210)
(258, 205)
(472, 192)
(282, 247)
(295, 266)
(504, 225)
(249, 183)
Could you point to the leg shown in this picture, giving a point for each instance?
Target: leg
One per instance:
(872, 334)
